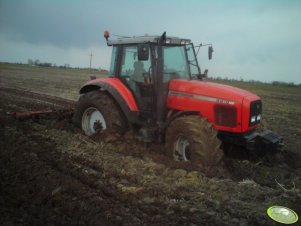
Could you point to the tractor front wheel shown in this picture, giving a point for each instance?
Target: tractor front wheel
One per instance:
(97, 111)
(192, 138)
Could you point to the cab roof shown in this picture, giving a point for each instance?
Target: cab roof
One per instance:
(148, 39)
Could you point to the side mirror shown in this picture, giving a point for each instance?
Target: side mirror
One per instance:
(143, 52)
(210, 51)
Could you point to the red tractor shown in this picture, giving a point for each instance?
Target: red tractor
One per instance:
(156, 87)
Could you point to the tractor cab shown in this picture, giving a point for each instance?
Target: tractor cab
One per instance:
(146, 64)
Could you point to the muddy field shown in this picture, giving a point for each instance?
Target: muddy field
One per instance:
(51, 174)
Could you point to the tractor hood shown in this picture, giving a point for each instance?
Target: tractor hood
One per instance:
(209, 90)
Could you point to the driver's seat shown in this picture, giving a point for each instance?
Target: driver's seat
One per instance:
(138, 72)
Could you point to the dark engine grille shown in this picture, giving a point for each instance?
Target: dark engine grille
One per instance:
(255, 111)
(225, 116)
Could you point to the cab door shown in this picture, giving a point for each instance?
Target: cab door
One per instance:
(137, 76)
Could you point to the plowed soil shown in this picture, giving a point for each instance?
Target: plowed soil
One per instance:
(51, 174)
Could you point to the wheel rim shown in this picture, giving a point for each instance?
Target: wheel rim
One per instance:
(181, 149)
(93, 121)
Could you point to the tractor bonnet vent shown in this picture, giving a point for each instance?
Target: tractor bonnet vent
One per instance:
(225, 116)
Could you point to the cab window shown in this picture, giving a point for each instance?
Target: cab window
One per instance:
(175, 63)
(132, 70)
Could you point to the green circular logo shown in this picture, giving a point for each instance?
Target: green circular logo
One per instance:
(282, 214)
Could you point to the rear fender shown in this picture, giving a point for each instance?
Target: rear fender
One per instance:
(121, 94)
(178, 114)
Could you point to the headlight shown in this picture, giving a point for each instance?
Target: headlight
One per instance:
(255, 112)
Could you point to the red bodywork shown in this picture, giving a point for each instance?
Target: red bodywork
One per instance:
(205, 97)
(120, 87)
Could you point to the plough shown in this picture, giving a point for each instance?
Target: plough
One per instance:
(62, 113)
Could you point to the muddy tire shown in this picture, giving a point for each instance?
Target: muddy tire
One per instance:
(192, 138)
(97, 111)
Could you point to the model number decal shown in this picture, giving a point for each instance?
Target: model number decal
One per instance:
(225, 101)
(200, 97)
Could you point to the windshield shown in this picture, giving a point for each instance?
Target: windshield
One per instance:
(175, 63)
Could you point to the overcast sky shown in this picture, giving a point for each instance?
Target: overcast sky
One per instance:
(258, 39)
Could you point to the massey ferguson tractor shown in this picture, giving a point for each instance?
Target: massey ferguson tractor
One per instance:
(156, 88)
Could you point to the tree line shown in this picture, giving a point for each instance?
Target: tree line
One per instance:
(45, 64)
(274, 83)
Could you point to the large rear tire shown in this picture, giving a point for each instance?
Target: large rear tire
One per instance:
(97, 111)
(192, 138)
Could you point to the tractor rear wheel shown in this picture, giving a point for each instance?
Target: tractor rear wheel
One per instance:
(192, 138)
(97, 111)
